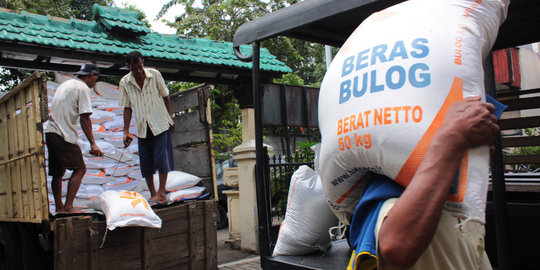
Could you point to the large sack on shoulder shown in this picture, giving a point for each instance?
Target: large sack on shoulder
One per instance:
(125, 208)
(389, 89)
(308, 217)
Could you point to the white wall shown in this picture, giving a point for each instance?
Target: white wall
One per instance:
(529, 65)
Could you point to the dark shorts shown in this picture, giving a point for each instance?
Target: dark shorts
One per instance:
(62, 155)
(155, 153)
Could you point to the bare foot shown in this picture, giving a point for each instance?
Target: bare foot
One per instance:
(157, 200)
(72, 210)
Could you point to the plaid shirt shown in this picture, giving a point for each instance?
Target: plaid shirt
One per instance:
(147, 103)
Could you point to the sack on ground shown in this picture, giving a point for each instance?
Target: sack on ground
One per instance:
(308, 217)
(125, 208)
(388, 90)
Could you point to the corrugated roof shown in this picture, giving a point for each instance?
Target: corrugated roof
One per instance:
(118, 31)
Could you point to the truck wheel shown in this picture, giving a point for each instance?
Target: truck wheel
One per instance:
(9, 248)
(222, 220)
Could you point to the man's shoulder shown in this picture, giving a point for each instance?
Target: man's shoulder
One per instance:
(152, 71)
(74, 84)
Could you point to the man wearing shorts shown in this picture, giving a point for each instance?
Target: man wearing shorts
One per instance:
(71, 102)
(144, 92)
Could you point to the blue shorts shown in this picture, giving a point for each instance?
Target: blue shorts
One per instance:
(155, 153)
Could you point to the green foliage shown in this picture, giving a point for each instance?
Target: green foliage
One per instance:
(229, 136)
(79, 9)
(175, 87)
(526, 150)
(219, 20)
(304, 152)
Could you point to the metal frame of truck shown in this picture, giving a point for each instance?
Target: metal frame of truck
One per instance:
(331, 22)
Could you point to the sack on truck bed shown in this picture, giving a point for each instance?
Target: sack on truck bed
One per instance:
(125, 208)
(307, 218)
(389, 88)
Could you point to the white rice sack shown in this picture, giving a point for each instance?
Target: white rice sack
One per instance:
(99, 116)
(121, 183)
(95, 177)
(177, 180)
(387, 92)
(121, 170)
(117, 123)
(97, 131)
(89, 191)
(189, 193)
(308, 217)
(102, 162)
(64, 186)
(106, 147)
(107, 90)
(136, 174)
(125, 208)
(117, 141)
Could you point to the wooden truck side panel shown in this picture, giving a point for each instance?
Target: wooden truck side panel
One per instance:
(23, 193)
(187, 240)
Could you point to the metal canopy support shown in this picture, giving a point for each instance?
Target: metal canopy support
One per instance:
(497, 178)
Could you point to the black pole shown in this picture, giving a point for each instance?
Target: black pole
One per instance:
(497, 178)
(262, 204)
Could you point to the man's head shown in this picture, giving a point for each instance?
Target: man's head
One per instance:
(134, 62)
(89, 73)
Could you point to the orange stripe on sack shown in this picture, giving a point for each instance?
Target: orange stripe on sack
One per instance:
(411, 165)
(350, 190)
(463, 179)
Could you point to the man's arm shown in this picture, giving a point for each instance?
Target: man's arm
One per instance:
(411, 224)
(86, 125)
(128, 112)
(167, 101)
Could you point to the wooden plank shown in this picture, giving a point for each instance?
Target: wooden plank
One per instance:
(59, 245)
(191, 235)
(189, 98)
(521, 141)
(29, 145)
(39, 101)
(521, 159)
(25, 179)
(516, 123)
(210, 241)
(522, 103)
(147, 249)
(5, 202)
(19, 87)
(192, 160)
(14, 169)
(94, 243)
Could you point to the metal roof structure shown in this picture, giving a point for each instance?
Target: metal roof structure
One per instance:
(331, 22)
(41, 42)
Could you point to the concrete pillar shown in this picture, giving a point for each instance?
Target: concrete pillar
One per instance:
(230, 178)
(245, 155)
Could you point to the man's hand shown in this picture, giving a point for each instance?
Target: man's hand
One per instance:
(127, 140)
(171, 128)
(471, 123)
(94, 150)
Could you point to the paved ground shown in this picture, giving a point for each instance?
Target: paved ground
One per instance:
(234, 259)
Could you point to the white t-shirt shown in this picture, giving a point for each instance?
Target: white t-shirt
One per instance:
(71, 99)
(455, 245)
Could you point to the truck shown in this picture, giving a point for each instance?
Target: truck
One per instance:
(32, 238)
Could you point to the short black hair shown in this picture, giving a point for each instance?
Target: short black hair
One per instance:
(133, 57)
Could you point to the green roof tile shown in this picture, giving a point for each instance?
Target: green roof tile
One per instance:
(119, 31)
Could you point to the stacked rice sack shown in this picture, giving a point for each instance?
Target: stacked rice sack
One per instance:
(387, 92)
(118, 169)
